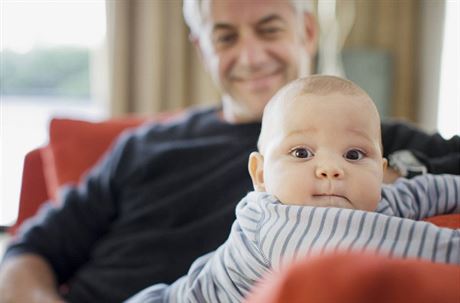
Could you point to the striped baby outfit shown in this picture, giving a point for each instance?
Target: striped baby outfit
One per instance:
(268, 234)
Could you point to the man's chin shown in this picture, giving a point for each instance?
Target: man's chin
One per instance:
(260, 97)
(257, 102)
(269, 85)
(253, 101)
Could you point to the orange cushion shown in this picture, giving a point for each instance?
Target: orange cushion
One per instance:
(356, 278)
(75, 146)
(449, 221)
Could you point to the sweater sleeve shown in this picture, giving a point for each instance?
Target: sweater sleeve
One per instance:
(65, 235)
(421, 197)
(440, 155)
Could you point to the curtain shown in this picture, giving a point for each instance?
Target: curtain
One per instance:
(152, 65)
(392, 27)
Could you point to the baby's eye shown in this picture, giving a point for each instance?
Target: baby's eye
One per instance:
(302, 153)
(354, 155)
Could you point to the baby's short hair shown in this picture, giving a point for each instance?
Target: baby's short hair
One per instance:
(321, 85)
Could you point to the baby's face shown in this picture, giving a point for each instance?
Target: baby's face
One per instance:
(325, 151)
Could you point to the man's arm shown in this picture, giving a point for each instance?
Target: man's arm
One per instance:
(28, 272)
(439, 155)
(57, 241)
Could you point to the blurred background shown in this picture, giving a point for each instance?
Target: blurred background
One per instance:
(96, 59)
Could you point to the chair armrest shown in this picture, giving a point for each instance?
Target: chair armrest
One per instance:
(33, 188)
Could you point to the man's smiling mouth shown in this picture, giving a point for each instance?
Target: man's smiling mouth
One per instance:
(257, 76)
(259, 83)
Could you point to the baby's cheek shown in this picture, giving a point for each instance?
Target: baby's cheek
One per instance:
(297, 192)
(373, 198)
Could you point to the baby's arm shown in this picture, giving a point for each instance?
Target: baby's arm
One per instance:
(421, 197)
(291, 231)
(225, 275)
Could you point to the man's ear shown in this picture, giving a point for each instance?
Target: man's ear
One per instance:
(256, 170)
(384, 164)
(196, 43)
(195, 40)
(311, 33)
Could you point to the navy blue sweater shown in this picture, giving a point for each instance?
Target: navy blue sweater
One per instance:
(163, 197)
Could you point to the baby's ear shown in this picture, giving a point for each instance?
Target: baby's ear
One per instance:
(256, 170)
(386, 174)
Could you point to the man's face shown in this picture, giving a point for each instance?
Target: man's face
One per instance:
(252, 48)
(325, 151)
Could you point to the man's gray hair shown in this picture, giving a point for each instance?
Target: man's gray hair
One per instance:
(193, 12)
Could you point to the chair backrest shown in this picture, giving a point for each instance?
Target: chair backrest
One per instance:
(74, 147)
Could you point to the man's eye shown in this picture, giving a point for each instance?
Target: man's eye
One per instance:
(302, 153)
(354, 155)
(270, 30)
(225, 39)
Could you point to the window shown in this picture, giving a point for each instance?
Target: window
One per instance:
(50, 52)
(449, 95)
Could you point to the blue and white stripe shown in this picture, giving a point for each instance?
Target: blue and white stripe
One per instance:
(267, 234)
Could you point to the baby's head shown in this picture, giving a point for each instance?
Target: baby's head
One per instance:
(320, 145)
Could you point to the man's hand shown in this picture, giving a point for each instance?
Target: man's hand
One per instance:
(27, 278)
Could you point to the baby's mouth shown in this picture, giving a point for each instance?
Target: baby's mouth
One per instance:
(330, 195)
(331, 198)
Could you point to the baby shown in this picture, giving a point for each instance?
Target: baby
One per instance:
(320, 145)
(318, 188)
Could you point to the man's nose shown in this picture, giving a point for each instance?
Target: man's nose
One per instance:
(252, 51)
(329, 170)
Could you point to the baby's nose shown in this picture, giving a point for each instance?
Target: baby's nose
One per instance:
(329, 171)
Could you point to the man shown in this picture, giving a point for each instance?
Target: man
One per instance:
(166, 194)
